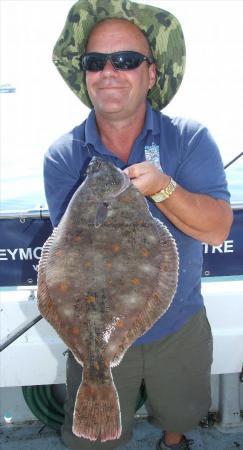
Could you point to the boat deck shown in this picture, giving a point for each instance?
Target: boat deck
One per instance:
(32, 436)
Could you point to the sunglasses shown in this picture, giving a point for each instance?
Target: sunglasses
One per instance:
(125, 60)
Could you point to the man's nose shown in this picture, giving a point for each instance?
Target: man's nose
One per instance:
(108, 68)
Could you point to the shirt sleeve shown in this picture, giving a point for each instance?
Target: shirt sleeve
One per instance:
(62, 176)
(201, 168)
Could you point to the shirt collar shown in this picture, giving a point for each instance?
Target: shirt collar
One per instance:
(92, 135)
(151, 121)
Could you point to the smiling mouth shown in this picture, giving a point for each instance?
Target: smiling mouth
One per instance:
(112, 87)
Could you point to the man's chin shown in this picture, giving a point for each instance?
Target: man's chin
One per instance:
(109, 108)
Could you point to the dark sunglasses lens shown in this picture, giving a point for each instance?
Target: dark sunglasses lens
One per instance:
(94, 63)
(126, 60)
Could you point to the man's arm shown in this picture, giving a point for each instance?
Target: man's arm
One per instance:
(197, 215)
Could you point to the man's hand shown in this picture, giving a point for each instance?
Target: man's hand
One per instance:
(147, 178)
(197, 215)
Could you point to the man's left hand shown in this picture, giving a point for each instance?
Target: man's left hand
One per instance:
(147, 178)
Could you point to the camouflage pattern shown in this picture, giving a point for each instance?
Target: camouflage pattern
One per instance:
(163, 32)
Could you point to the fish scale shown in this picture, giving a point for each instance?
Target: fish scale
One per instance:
(107, 273)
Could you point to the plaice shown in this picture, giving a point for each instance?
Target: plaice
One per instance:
(107, 273)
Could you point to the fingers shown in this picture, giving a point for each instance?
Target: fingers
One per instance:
(136, 170)
(146, 177)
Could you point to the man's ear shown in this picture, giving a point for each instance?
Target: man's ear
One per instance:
(152, 75)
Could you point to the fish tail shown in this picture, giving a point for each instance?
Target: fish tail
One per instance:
(97, 412)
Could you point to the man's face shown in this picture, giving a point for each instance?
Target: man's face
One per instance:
(114, 93)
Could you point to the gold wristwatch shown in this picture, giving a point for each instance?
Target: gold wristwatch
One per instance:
(164, 193)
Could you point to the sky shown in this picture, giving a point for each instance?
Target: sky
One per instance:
(43, 107)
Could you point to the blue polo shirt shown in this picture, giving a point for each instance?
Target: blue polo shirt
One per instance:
(187, 152)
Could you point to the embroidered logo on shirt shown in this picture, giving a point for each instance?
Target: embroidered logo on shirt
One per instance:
(152, 155)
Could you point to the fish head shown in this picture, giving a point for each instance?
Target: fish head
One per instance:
(105, 180)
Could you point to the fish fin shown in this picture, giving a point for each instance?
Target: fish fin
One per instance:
(162, 296)
(118, 358)
(97, 412)
(168, 247)
(101, 214)
(43, 299)
(165, 288)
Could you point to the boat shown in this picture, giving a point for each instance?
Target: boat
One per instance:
(7, 89)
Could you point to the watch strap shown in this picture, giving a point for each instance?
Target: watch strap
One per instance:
(165, 193)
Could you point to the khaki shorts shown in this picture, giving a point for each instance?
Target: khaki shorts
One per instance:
(176, 372)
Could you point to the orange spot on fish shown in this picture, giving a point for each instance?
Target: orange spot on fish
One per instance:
(120, 323)
(90, 299)
(156, 297)
(96, 365)
(63, 287)
(87, 264)
(116, 248)
(127, 198)
(144, 252)
(135, 281)
(58, 253)
(77, 238)
(75, 331)
(109, 264)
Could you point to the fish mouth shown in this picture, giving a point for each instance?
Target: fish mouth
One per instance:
(96, 164)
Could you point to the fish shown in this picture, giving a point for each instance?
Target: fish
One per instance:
(107, 273)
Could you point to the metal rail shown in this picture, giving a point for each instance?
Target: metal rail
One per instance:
(22, 215)
(44, 213)
(20, 332)
(233, 160)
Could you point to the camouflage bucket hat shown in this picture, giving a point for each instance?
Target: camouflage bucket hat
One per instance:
(163, 32)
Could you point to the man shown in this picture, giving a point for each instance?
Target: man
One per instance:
(126, 61)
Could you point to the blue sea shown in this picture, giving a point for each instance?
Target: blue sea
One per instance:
(22, 188)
